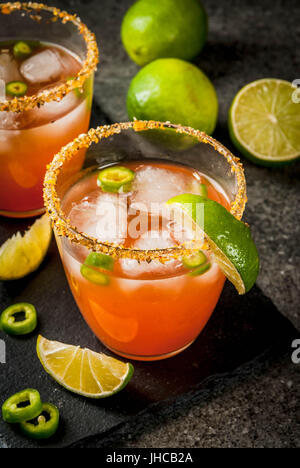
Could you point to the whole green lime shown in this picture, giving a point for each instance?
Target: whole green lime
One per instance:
(153, 29)
(176, 91)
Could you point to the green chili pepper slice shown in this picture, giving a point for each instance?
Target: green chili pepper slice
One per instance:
(100, 260)
(115, 179)
(195, 260)
(201, 270)
(16, 88)
(44, 425)
(19, 319)
(22, 406)
(94, 276)
(22, 50)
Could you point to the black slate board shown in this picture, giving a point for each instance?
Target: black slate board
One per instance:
(241, 329)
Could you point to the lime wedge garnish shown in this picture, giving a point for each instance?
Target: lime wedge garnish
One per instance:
(229, 239)
(21, 255)
(83, 371)
(264, 122)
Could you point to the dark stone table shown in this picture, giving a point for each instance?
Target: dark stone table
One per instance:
(248, 40)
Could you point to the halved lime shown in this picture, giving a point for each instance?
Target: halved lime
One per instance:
(229, 239)
(21, 255)
(83, 371)
(264, 122)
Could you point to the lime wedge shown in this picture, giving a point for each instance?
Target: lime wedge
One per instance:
(264, 122)
(229, 239)
(83, 371)
(21, 255)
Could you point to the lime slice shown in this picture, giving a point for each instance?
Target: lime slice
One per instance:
(83, 371)
(229, 239)
(21, 255)
(264, 122)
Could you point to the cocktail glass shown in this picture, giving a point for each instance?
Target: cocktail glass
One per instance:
(64, 110)
(147, 316)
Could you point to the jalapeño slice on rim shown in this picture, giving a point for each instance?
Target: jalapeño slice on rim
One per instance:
(22, 50)
(116, 179)
(16, 88)
(44, 425)
(19, 319)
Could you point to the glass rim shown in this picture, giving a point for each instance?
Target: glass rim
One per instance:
(57, 93)
(62, 224)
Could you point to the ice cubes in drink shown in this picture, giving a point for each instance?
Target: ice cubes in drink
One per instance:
(102, 216)
(9, 70)
(153, 186)
(53, 110)
(43, 67)
(151, 240)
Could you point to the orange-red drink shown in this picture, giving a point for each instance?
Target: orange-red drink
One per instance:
(144, 310)
(143, 278)
(35, 124)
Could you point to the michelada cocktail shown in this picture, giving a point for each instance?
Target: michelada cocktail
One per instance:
(142, 280)
(47, 60)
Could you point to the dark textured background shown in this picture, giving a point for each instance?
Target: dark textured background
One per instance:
(248, 40)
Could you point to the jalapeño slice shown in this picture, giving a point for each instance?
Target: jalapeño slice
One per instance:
(16, 88)
(19, 319)
(195, 260)
(100, 260)
(94, 276)
(44, 425)
(22, 406)
(200, 270)
(22, 50)
(116, 179)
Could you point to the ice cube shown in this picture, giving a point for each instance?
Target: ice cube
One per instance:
(103, 216)
(151, 240)
(154, 186)
(54, 110)
(9, 70)
(11, 121)
(43, 67)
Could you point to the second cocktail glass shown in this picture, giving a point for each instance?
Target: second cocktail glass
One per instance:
(57, 106)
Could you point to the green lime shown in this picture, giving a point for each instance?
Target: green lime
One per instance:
(176, 91)
(153, 29)
(228, 238)
(264, 122)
